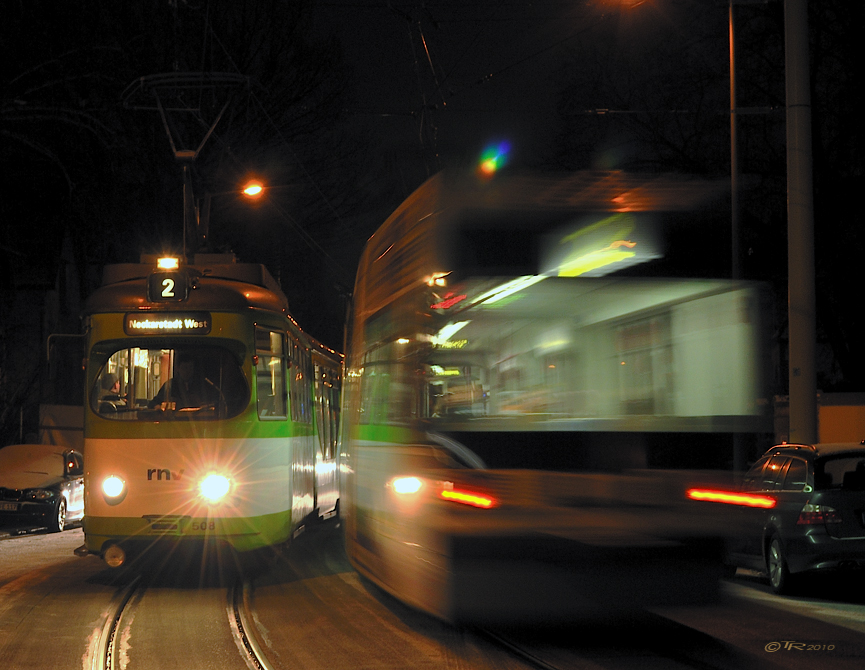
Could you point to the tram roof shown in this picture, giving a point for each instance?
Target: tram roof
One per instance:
(407, 248)
(218, 279)
(583, 191)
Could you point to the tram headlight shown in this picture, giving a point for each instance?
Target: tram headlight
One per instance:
(113, 489)
(406, 485)
(214, 487)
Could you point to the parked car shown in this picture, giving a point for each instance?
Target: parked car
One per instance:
(816, 521)
(41, 484)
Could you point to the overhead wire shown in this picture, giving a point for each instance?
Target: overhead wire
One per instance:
(491, 17)
(284, 142)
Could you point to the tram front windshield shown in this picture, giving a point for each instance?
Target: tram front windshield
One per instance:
(189, 382)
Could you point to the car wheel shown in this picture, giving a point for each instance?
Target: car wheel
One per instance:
(58, 523)
(776, 565)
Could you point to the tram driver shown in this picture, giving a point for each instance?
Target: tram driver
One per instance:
(188, 388)
(110, 398)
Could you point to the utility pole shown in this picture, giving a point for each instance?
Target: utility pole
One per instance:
(801, 299)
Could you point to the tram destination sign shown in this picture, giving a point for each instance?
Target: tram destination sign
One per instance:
(173, 323)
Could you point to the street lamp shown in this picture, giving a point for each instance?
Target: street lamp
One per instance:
(251, 190)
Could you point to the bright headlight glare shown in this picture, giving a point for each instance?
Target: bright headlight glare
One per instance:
(214, 487)
(406, 485)
(112, 486)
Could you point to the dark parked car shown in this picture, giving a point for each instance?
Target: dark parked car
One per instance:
(818, 518)
(41, 484)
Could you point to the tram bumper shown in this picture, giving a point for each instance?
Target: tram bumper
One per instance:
(167, 534)
(631, 543)
(538, 577)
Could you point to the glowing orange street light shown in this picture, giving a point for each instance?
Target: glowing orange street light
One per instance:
(253, 189)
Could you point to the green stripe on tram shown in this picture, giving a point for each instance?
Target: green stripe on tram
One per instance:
(380, 433)
(247, 425)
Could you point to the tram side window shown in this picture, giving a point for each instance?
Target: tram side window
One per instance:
(270, 374)
(300, 383)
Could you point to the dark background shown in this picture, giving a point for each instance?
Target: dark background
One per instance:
(352, 105)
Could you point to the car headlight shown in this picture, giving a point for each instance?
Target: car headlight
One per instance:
(113, 489)
(39, 495)
(214, 487)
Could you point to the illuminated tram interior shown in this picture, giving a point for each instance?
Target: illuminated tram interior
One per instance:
(542, 323)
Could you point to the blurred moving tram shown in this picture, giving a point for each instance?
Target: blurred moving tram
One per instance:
(510, 377)
(211, 415)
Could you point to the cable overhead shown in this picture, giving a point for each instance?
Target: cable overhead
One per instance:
(273, 125)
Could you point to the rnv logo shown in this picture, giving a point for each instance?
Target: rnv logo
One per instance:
(163, 473)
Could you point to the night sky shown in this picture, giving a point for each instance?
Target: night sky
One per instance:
(353, 104)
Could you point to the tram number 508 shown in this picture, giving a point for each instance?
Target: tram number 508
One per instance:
(203, 525)
(167, 287)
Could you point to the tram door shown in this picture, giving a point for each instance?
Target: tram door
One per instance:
(278, 401)
(326, 427)
(300, 396)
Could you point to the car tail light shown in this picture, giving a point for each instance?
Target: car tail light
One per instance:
(817, 514)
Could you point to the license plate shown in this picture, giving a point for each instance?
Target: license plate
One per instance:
(165, 525)
(8, 507)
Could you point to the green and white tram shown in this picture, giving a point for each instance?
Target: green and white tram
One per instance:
(210, 414)
(507, 388)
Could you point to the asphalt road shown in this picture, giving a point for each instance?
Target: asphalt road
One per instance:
(310, 611)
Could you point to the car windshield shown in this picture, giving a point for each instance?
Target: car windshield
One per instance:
(845, 471)
(183, 382)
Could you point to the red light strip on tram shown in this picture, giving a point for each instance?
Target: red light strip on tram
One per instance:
(747, 500)
(468, 498)
(449, 301)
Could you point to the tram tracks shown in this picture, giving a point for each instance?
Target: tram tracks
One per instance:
(243, 626)
(109, 649)
(145, 607)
